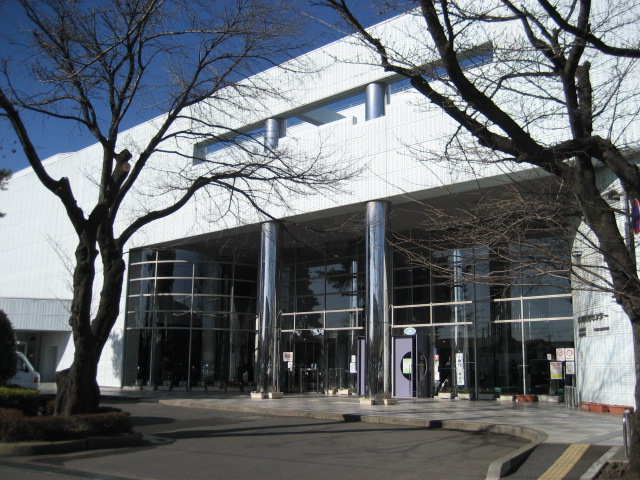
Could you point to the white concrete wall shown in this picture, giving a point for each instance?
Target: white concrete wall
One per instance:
(37, 241)
(604, 339)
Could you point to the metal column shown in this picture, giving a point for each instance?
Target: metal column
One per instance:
(274, 130)
(375, 97)
(268, 306)
(378, 333)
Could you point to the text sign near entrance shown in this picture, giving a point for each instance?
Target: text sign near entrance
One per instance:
(460, 369)
(571, 368)
(560, 354)
(287, 356)
(406, 366)
(556, 370)
(569, 354)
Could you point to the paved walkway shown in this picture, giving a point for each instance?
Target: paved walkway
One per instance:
(539, 422)
(547, 423)
(561, 425)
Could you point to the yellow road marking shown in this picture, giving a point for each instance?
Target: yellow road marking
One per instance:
(565, 462)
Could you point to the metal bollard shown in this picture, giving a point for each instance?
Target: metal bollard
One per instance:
(570, 397)
(626, 431)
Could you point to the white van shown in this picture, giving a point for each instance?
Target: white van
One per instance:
(26, 376)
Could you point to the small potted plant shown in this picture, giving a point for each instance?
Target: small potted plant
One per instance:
(526, 398)
(466, 394)
(446, 393)
(486, 394)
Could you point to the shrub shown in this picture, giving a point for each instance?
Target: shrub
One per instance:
(15, 427)
(26, 401)
(7, 349)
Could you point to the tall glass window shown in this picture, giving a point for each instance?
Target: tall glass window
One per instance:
(190, 320)
(323, 288)
(322, 304)
(495, 318)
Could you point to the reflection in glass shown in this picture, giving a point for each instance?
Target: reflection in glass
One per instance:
(411, 316)
(287, 322)
(173, 319)
(145, 302)
(501, 364)
(340, 320)
(548, 307)
(181, 348)
(541, 340)
(309, 321)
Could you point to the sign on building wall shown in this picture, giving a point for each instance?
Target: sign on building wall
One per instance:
(287, 356)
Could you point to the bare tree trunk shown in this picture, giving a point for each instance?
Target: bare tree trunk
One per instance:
(78, 390)
(77, 387)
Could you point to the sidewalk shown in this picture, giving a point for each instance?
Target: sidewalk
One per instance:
(537, 422)
(559, 423)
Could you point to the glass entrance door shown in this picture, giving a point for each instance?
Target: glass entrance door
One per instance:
(453, 358)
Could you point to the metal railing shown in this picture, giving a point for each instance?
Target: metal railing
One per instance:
(626, 431)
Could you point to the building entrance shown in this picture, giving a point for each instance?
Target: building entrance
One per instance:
(412, 375)
(322, 359)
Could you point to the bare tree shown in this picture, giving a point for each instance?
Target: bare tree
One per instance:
(93, 65)
(539, 216)
(557, 93)
(5, 175)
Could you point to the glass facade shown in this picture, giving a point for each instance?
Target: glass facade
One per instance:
(494, 325)
(191, 320)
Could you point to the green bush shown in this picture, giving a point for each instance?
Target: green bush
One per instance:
(15, 427)
(7, 349)
(26, 401)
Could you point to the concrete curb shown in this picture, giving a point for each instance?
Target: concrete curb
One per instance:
(496, 470)
(613, 454)
(15, 449)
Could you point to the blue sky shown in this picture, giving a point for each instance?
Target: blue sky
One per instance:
(51, 136)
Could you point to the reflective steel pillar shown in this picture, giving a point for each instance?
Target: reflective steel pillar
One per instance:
(268, 307)
(378, 332)
(274, 130)
(375, 94)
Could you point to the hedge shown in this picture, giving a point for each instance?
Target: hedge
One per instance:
(15, 427)
(26, 401)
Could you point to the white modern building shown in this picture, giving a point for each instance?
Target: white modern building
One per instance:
(321, 298)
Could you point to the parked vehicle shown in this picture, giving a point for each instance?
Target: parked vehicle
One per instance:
(26, 376)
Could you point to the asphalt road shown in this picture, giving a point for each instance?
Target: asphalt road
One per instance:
(189, 443)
